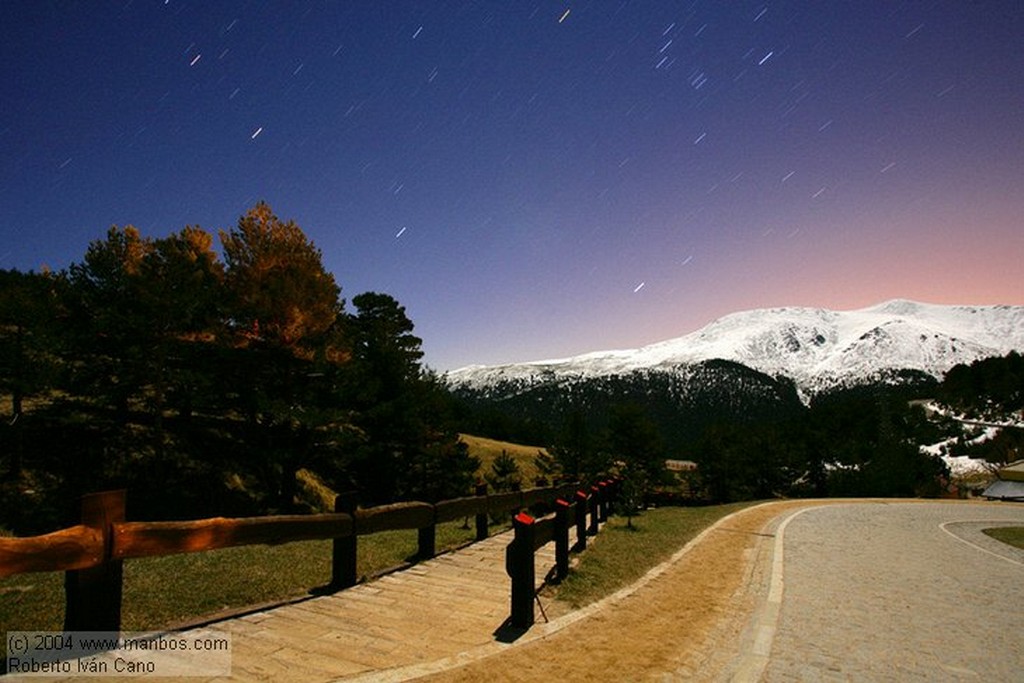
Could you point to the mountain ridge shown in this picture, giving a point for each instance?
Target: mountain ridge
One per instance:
(817, 348)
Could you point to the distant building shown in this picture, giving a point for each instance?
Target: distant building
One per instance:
(680, 465)
(1009, 484)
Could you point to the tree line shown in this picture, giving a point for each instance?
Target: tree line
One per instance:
(988, 390)
(204, 383)
(750, 435)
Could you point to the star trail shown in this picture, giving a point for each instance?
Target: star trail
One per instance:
(534, 180)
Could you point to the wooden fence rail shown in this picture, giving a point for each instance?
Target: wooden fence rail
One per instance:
(92, 552)
(532, 534)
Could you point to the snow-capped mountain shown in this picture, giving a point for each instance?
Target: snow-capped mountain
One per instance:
(816, 348)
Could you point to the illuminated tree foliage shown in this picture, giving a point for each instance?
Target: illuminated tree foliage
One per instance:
(204, 385)
(280, 292)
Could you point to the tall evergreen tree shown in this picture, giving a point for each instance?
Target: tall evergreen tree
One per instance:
(409, 447)
(504, 474)
(633, 443)
(284, 309)
(385, 356)
(384, 345)
(180, 295)
(576, 451)
(110, 329)
(29, 306)
(136, 299)
(281, 293)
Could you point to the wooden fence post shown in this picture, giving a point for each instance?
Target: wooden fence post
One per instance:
(93, 595)
(344, 550)
(519, 564)
(595, 510)
(481, 517)
(562, 508)
(609, 495)
(426, 540)
(605, 499)
(581, 521)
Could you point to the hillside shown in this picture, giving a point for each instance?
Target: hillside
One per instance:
(486, 450)
(683, 403)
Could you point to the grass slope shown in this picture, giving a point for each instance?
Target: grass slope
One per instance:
(489, 449)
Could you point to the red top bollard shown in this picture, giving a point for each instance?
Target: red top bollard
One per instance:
(524, 518)
(581, 520)
(562, 509)
(519, 565)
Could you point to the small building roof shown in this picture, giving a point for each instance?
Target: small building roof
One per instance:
(1001, 489)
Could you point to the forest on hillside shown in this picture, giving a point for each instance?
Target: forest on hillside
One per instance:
(204, 384)
(750, 435)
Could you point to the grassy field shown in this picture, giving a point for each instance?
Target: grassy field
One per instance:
(1011, 535)
(488, 449)
(619, 555)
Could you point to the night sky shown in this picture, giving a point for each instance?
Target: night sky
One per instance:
(535, 180)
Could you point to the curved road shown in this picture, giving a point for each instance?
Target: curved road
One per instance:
(890, 591)
(799, 591)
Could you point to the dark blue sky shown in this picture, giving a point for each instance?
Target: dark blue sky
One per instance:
(537, 179)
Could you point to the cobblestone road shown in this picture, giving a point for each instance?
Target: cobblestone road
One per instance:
(899, 592)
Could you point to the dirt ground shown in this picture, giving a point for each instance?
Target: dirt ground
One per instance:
(687, 623)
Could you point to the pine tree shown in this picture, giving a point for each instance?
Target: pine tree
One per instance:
(281, 293)
(180, 290)
(504, 474)
(283, 308)
(575, 451)
(111, 334)
(29, 306)
(547, 467)
(410, 449)
(634, 445)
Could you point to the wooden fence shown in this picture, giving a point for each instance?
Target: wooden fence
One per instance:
(92, 552)
(532, 534)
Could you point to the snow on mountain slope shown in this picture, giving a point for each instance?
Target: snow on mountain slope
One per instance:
(817, 348)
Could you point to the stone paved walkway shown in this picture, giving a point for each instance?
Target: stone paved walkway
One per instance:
(431, 611)
(897, 592)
